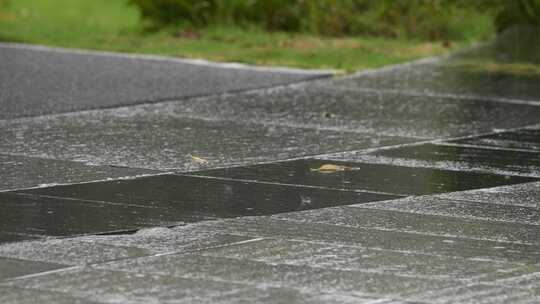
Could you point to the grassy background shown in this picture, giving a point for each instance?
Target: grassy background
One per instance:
(115, 25)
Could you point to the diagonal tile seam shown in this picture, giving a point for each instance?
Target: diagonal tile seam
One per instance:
(484, 202)
(451, 144)
(254, 181)
(429, 141)
(462, 166)
(413, 93)
(164, 101)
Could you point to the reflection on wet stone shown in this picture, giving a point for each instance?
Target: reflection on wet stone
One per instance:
(157, 201)
(367, 177)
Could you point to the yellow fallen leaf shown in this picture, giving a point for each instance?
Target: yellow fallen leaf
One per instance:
(330, 168)
(198, 159)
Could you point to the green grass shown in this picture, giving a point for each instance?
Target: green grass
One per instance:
(115, 26)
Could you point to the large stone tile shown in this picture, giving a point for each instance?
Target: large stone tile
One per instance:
(325, 106)
(175, 198)
(457, 79)
(351, 258)
(464, 209)
(526, 195)
(69, 251)
(35, 81)
(10, 268)
(280, 275)
(364, 176)
(402, 220)
(523, 139)
(16, 295)
(52, 216)
(481, 294)
(406, 242)
(452, 157)
(126, 287)
(154, 138)
(18, 172)
(8, 237)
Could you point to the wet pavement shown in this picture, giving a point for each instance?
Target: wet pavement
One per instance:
(418, 183)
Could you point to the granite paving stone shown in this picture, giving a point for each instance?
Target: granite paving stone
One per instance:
(127, 287)
(69, 251)
(342, 257)
(36, 81)
(522, 139)
(456, 78)
(154, 139)
(10, 268)
(526, 195)
(16, 295)
(406, 242)
(280, 275)
(18, 172)
(402, 220)
(363, 176)
(482, 294)
(452, 157)
(393, 114)
(502, 214)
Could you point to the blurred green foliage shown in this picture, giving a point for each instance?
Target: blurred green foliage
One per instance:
(422, 19)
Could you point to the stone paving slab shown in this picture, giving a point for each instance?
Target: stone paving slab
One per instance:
(381, 216)
(452, 157)
(522, 139)
(24, 172)
(74, 251)
(50, 216)
(406, 242)
(36, 81)
(192, 198)
(15, 295)
(108, 286)
(161, 140)
(354, 258)
(279, 275)
(390, 113)
(365, 177)
(464, 209)
(526, 195)
(10, 268)
(457, 79)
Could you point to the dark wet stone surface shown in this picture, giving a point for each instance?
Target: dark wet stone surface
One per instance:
(10, 268)
(392, 114)
(23, 172)
(525, 139)
(460, 79)
(154, 138)
(53, 216)
(9, 237)
(459, 158)
(367, 177)
(36, 82)
(159, 201)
